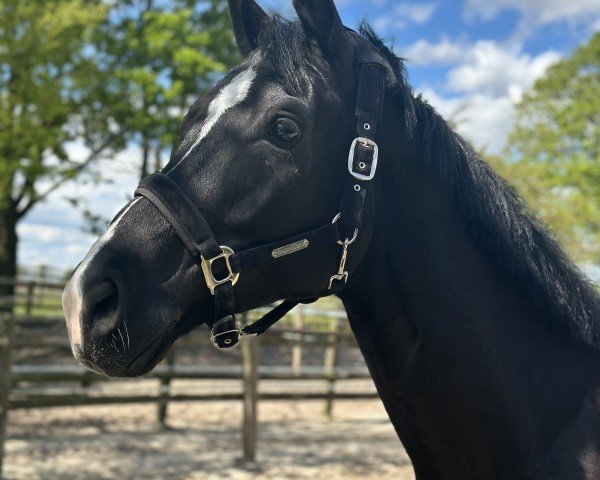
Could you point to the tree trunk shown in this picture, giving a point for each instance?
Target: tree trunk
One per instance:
(8, 252)
(145, 157)
(158, 159)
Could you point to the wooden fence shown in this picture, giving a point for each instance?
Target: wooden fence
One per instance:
(6, 328)
(314, 338)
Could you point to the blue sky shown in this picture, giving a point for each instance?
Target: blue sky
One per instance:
(471, 59)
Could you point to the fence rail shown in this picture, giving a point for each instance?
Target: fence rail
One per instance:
(37, 325)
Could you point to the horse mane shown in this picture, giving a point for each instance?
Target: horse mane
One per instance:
(521, 248)
(498, 220)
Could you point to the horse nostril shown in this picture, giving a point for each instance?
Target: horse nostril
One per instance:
(103, 308)
(108, 304)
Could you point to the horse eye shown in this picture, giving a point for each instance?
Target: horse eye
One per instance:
(286, 132)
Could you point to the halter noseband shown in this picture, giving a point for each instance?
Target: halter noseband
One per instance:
(195, 232)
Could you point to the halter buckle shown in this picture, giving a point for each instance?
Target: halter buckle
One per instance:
(230, 340)
(367, 143)
(211, 281)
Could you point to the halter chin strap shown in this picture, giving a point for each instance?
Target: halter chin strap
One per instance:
(222, 266)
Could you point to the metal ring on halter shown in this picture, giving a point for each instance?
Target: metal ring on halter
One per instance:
(214, 336)
(345, 242)
(211, 281)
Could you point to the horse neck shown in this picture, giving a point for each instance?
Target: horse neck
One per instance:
(438, 325)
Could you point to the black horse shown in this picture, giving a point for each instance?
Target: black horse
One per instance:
(481, 335)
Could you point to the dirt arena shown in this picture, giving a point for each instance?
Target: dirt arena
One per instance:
(296, 441)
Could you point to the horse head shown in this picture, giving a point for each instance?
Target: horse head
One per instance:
(262, 158)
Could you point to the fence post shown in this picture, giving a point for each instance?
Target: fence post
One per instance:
(329, 363)
(249, 347)
(29, 299)
(6, 334)
(297, 348)
(42, 278)
(165, 387)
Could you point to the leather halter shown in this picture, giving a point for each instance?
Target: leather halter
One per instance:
(191, 227)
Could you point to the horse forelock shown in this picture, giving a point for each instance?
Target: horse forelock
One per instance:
(291, 56)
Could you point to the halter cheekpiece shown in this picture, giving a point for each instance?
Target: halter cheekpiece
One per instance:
(195, 232)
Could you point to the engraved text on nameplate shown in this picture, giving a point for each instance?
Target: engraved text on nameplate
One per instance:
(291, 248)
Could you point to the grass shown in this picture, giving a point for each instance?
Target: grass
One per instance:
(42, 302)
(45, 302)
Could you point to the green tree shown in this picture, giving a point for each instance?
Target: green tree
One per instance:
(48, 83)
(103, 74)
(554, 159)
(161, 56)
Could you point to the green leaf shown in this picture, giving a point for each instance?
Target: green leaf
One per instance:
(554, 154)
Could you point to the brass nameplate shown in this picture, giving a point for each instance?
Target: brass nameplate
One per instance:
(288, 249)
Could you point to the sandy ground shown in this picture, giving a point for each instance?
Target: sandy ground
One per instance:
(296, 441)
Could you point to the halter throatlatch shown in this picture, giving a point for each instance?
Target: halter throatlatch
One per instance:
(222, 267)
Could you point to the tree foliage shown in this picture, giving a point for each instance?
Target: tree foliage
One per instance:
(554, 158)
(98, 75)
(161, 56)
(47, 81)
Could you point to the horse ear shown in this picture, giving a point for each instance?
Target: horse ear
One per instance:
(322, 22)
(247, 19)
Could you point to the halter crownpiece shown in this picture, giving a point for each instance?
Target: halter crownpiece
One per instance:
(195, 232)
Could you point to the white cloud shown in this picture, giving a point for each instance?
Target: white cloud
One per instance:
(540, 11)
(592, 271)
(444, 52)
(497, 71)
(483, 120)
(449, 108)
(403, 14)
(277, 6)
(52, 232)
(482, 86)
(42, 233)
(535, 13)
(416, 13)
(484, 66)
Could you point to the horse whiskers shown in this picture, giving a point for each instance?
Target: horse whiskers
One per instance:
(122, 339)
(126, 331)
(114, 343)
(120, 364)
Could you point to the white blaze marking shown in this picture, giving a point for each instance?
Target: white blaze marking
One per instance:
(73, 295)
(231, 94)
